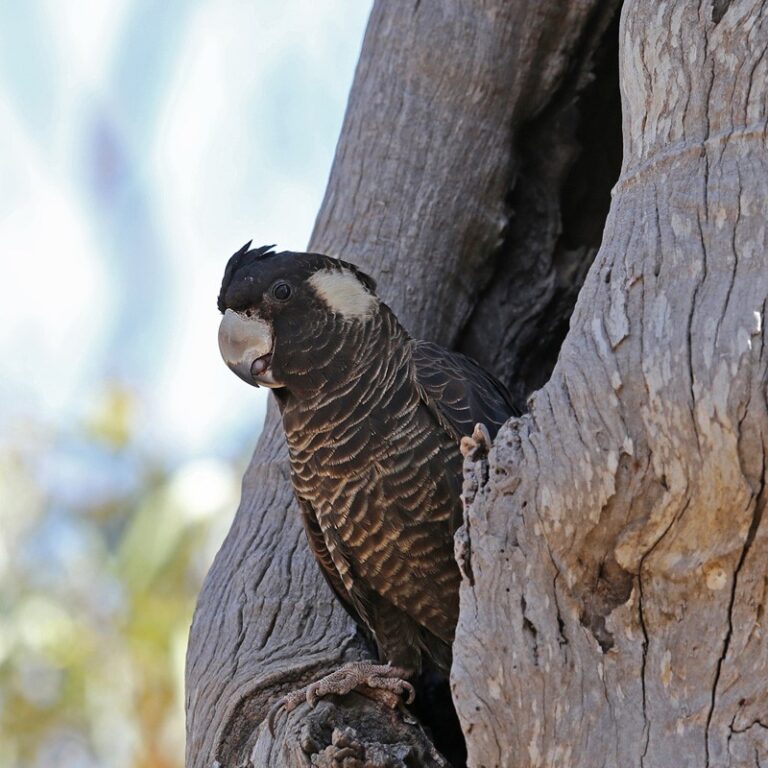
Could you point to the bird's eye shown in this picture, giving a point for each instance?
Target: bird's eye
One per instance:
(281, 291)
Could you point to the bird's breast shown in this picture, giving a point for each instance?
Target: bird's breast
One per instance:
(384, 486)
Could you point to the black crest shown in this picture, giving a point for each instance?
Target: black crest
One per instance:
(243, 258)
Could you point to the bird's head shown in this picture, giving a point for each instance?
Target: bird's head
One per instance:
(290, 316)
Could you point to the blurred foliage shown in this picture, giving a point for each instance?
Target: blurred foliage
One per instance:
(102, 551)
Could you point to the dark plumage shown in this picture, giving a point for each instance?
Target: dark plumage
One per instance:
(373, 421)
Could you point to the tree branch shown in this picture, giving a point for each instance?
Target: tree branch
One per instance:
(619, 545)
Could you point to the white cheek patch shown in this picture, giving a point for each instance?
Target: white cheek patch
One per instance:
(343, 293)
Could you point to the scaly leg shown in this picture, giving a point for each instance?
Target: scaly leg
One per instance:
(379, 682)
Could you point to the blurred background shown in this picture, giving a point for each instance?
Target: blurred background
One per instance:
(141, 143)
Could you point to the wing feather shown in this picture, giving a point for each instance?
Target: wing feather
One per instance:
(459, 392)
(325, 561)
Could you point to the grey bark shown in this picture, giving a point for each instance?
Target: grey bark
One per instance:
(636, 481)
(618, 542)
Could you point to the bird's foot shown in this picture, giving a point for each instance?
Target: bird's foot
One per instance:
(379, 682)
(475, 451)
(477, 446)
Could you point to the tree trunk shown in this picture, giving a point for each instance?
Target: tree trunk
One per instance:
(471, 179)
(618, 545)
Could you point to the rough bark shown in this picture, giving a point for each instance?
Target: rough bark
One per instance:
(618, 542)
(423, 187)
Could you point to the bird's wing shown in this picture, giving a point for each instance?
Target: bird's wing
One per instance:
(459, 392)
(363, 604)
(325, 561)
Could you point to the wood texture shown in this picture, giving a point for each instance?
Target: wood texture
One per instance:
(618, 542)
(419, 198)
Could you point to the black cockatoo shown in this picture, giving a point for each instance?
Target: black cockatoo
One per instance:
(373, 419)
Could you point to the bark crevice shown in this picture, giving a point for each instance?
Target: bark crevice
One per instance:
(757, 517)
(567, 159)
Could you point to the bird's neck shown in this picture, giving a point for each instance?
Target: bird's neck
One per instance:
(349, 363)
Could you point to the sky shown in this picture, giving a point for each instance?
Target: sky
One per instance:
(141, 144)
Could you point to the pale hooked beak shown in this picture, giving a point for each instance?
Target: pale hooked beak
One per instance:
(246, 345)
